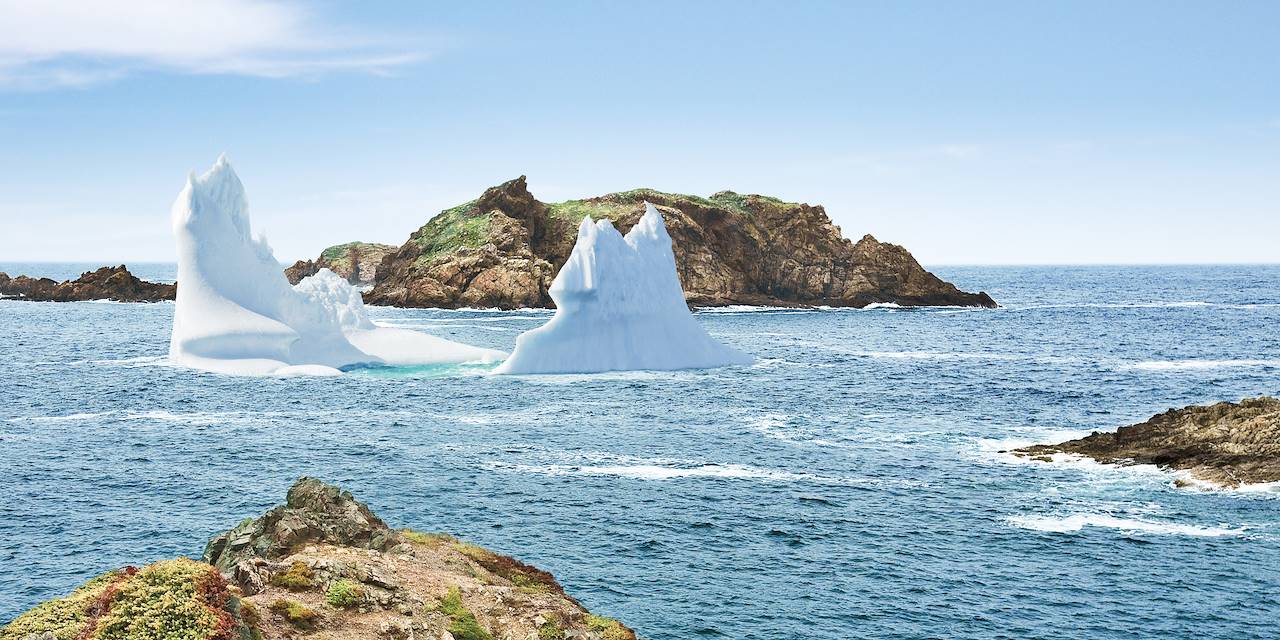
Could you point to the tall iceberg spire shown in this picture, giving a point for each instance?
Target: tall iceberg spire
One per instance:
(236, 313)
(619, 306)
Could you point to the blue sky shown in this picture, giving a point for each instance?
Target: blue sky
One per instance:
(977, 132)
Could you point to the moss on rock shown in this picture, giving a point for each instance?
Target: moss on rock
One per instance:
(344, 594)
(462, 623)
(177, 599)
(295, 613)
(503, 250)
(464, 226)
(609, 629)
(297, 578)
(64, 617)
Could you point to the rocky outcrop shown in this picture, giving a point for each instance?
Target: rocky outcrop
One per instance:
(313, 512)
(503, 250)
(356, 261)
(107, 283)
(322, 565)
(1227, 444)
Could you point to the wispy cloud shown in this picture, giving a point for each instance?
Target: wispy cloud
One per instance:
(71, 43)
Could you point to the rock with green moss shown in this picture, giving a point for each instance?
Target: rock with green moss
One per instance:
(313, 511)
(295, 613)
(356, 261)
(344, 594)
(167, 600)
(504, 249)
(324, 566)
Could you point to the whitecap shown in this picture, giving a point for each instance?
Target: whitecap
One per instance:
(71, 417)
(1188, 481)
(138, 361)
(748, 308)
(603, 464)
(197, 418)
(932, 355)
(1078, 521)
(1192, 365)
(658, 472)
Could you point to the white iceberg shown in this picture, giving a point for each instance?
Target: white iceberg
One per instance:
(619, 306)
(236, 313)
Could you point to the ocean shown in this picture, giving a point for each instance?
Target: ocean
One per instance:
(849, 484)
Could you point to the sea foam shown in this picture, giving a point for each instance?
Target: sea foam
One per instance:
(1191, 365)
(1078, 521)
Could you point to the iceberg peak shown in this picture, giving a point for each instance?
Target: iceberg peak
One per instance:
(619, 306)
(236, 313)
(652, 223)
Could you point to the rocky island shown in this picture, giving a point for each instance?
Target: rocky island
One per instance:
(1227, 444)
(355, 261)
(504, 248)
(107, 283)
(322, 566)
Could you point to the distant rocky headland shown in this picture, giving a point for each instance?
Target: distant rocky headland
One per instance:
(107, 283)
(504, 248)
(356, 261)
(322, 566)
(1227, 444)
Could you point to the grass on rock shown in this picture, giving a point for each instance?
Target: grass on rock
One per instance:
(297, 578)
(344, 594)
(462, 623)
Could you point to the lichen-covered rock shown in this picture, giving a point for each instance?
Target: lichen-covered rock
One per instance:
(356, 261)
(500, 250)
(324, 567)
(503, 250)
(169, 599)
(107, 283)
(313, 512)
(1227, 443)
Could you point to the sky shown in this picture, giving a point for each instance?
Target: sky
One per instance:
(971, 133)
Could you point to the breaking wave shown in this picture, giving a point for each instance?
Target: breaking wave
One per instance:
(1191, 365)
(673, 469)
(1077, 522)
(71, 417)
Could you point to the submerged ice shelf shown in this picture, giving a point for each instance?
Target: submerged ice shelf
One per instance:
(619, 306)
(236, 313)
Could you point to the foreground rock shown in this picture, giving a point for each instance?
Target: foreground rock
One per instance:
(107, 283)
(1227, 444)
(322, 566)
(355, 261)
(504, 249)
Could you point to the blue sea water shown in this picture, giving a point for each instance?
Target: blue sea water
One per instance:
(848, 485)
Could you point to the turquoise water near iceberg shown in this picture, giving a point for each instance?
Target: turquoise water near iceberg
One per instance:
(847, 485)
